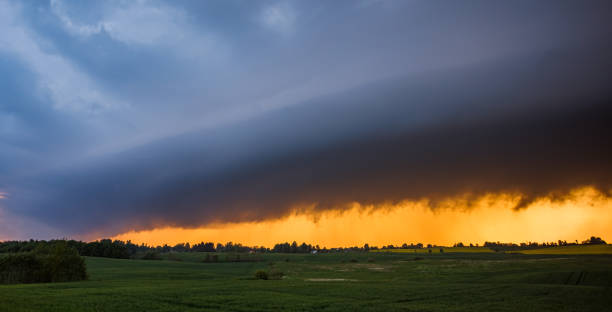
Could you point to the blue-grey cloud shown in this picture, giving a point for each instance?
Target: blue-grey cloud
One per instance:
(122, 115)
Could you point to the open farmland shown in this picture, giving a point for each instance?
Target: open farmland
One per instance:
(571, 250)
(438, 250)
(329, 282)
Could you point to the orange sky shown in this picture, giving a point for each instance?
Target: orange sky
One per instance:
(582, 213)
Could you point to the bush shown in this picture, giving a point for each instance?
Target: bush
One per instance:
(269, 275)
(57, 263)
(261, 274)
(275, 274)
(151, 255)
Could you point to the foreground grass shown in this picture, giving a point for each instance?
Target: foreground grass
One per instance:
(331, 282)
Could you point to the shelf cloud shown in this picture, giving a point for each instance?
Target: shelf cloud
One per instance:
(369, 103)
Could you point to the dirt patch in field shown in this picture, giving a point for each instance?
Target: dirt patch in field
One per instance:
(325, 267)
(367, 266)
(344, 270)
(376, 267)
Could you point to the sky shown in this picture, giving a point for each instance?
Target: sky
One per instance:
(332, 122)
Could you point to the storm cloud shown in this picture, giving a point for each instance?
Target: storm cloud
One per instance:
(386, 106)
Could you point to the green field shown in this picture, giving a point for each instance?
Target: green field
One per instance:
(557, 250)
(437, 250)
(330, 282)
(571, 250)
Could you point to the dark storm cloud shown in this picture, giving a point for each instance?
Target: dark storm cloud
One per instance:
(534, 125)
(120, 115)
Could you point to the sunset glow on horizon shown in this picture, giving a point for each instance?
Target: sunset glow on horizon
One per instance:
(581, 214)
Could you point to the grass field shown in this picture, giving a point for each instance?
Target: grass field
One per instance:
(331, 282)
(437, 250)
(571, 250)
(559, 250)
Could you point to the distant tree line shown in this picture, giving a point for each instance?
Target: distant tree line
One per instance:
(119, 249)
(294, 248)
(497, 246)
(104, 248)
(123, 250)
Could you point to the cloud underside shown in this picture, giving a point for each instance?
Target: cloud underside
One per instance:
(511, 127)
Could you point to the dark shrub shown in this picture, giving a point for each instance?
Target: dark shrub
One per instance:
(275, 274)
(261, 274)
(594, 241)
(64, 264)
(22, 268)
(269, 275)
(54, 263)
(151, 255)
